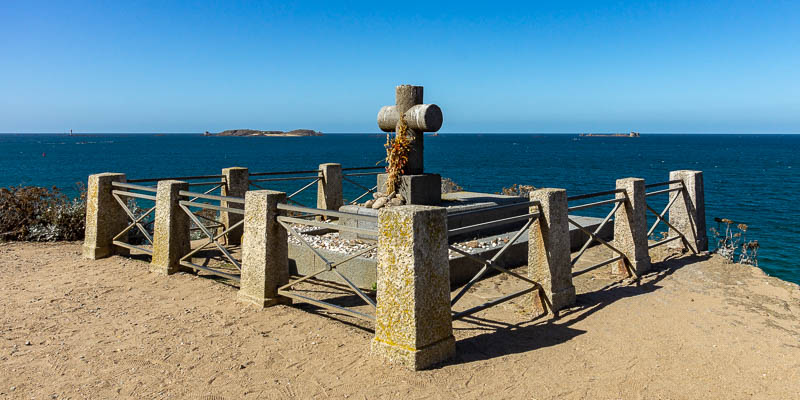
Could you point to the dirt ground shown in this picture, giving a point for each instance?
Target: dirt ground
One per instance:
(695, 328)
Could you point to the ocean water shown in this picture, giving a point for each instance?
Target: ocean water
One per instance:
(750, 179)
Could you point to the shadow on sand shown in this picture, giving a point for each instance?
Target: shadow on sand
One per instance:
(500, 338)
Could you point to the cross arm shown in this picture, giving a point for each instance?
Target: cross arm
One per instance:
(421, 118)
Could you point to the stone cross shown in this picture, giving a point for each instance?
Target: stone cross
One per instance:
(419, 118)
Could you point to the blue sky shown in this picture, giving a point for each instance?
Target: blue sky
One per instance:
(594, 66)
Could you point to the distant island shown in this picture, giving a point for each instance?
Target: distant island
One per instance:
(632, 134)
(254, 132)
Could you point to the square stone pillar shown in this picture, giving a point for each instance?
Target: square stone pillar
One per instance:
(105, 218)
(265, 250)
(329, 188)
(422, 189)
(413, 323)
(548, 249)
(171, 231)
(688, 214)
(630, 227)
(237, 182)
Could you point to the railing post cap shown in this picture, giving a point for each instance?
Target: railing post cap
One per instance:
(264, 192)
(629, 179)
(109, 174)
(547, 190)
(411, 209)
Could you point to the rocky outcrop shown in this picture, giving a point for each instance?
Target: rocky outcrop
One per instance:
(253, 132)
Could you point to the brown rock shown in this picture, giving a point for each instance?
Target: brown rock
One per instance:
(380, 202)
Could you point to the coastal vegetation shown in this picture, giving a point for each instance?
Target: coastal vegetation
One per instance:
(732, 243)
(40, 214)
(450, 186)
(518, 190)
(397, 149)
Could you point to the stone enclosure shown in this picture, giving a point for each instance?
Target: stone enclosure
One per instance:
(408, 265)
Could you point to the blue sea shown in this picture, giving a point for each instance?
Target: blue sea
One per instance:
(750, 179)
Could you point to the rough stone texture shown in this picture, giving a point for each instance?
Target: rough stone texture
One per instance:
(329, 188)
(689, 215)
(406, 97)
(413, 324)
(265, 259)
(237, 183)
(421, 117)
(423, 189)
(549, 249)
(630, 227)
(104, 216)
(171, 231)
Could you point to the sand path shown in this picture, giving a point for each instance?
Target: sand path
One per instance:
(74, 328)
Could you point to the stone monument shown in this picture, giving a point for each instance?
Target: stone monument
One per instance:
(415, 185)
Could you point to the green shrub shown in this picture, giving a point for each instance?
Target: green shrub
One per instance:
(41, 214)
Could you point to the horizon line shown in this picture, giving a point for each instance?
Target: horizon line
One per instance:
(426, 133)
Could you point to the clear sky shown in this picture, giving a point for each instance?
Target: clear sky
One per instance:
(493, 66)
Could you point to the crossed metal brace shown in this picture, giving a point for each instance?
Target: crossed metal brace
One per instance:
(286, 290)
(593, 237)
(660, 218)
(186, 259)
(298, 191)
(368, 190)
(494, 263)
(137, 222)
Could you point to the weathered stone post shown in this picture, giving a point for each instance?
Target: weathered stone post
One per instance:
(105, 218)
(548, 249)
(171, 231)
(329, 188)
(413, 324)
(630, 227)
(265, 251)
(688, 215)
(237, 182)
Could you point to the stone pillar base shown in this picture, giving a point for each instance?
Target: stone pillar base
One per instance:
(96, 253)
(561, 299)
(263, 302)
(423, 189)
(415, 359)
(165, 270)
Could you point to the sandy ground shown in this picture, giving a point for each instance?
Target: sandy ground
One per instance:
(695, 328)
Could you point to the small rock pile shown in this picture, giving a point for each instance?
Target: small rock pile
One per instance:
(385, 200)
(332, 242)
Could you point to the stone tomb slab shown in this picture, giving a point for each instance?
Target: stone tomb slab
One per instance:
(362, 270)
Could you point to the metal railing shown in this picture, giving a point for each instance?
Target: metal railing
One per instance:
(493, 263)
(258, 182)
(143, 222)
(330, 266)
(183, 178)
(195, 201)
(593, 235)
(678, 192)
(218, 183)
(348, 177)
